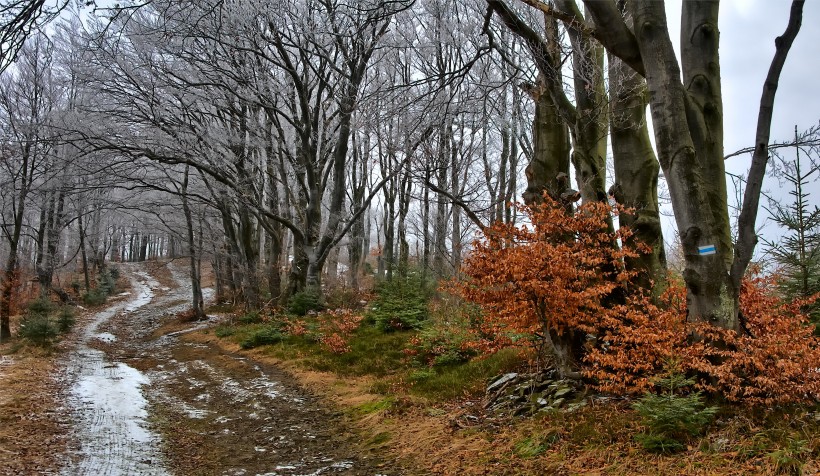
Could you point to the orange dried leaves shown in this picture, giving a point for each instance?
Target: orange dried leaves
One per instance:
(559, 274)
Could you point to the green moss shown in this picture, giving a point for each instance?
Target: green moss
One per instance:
(536, 445)
(448, 382)
(726, 311)
(376, 406)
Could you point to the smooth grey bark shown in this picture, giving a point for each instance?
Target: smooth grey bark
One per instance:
(219, 273)
(25, 102)
(387, 163)
(10, 273)
(549, 166)
(274, 159)
(548, 170)
(440, 224)
(747, 238)
(687, 118)
(52, 222)
(26, 174)
(425, 223)
(197, 300)
(332, 268)
(511, 176)
(405, 188)
(316, 245)
(455, 186)
(587, 119)
(688, 122)
(356, 250)
(636, 171)
(83, 253)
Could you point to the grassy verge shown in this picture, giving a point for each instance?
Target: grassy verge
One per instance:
(377, 355)
(426, 408)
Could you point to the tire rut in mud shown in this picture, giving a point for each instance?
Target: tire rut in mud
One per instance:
(106, 403)
(232, 416)
(217, 413)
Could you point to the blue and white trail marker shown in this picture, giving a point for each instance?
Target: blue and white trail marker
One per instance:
(707, 250)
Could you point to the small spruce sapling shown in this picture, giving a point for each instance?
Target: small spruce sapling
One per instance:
(671, 417)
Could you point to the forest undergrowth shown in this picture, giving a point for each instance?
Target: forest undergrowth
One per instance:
(415, 388)
(659, 394)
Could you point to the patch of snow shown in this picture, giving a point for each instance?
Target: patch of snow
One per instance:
(143, 298)
(267, 386)
(195, 383)
(106, 337)
(332, 468)
(109, 407)
(195, 413)
(111, 412)
(115, 394)
(207, 293)
(149, 280)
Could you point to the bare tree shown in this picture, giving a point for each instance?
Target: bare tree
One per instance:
(25, 111)
(19, 19)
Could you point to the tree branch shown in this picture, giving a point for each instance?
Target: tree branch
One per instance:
(746, 236)
(541, 55)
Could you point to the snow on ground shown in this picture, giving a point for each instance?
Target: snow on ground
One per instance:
(108, 405)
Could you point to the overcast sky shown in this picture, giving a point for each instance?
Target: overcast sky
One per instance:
(747, 32)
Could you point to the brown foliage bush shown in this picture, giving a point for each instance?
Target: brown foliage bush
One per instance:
(564, 273)
(776, 362)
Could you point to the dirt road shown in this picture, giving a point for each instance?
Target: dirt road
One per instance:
(143, 402)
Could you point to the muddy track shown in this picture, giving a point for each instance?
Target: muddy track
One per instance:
(147, 403)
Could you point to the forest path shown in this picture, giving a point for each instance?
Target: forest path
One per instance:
(145, 402)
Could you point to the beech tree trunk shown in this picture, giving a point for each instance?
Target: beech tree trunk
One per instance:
(588, 119)
(197, 301)
(83, 254)
(405, 187)
(358, 181)
(548, 169)
(747, 238)
(688, 123)
(636, 171)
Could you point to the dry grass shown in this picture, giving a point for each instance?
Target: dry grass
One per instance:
(456, 438)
